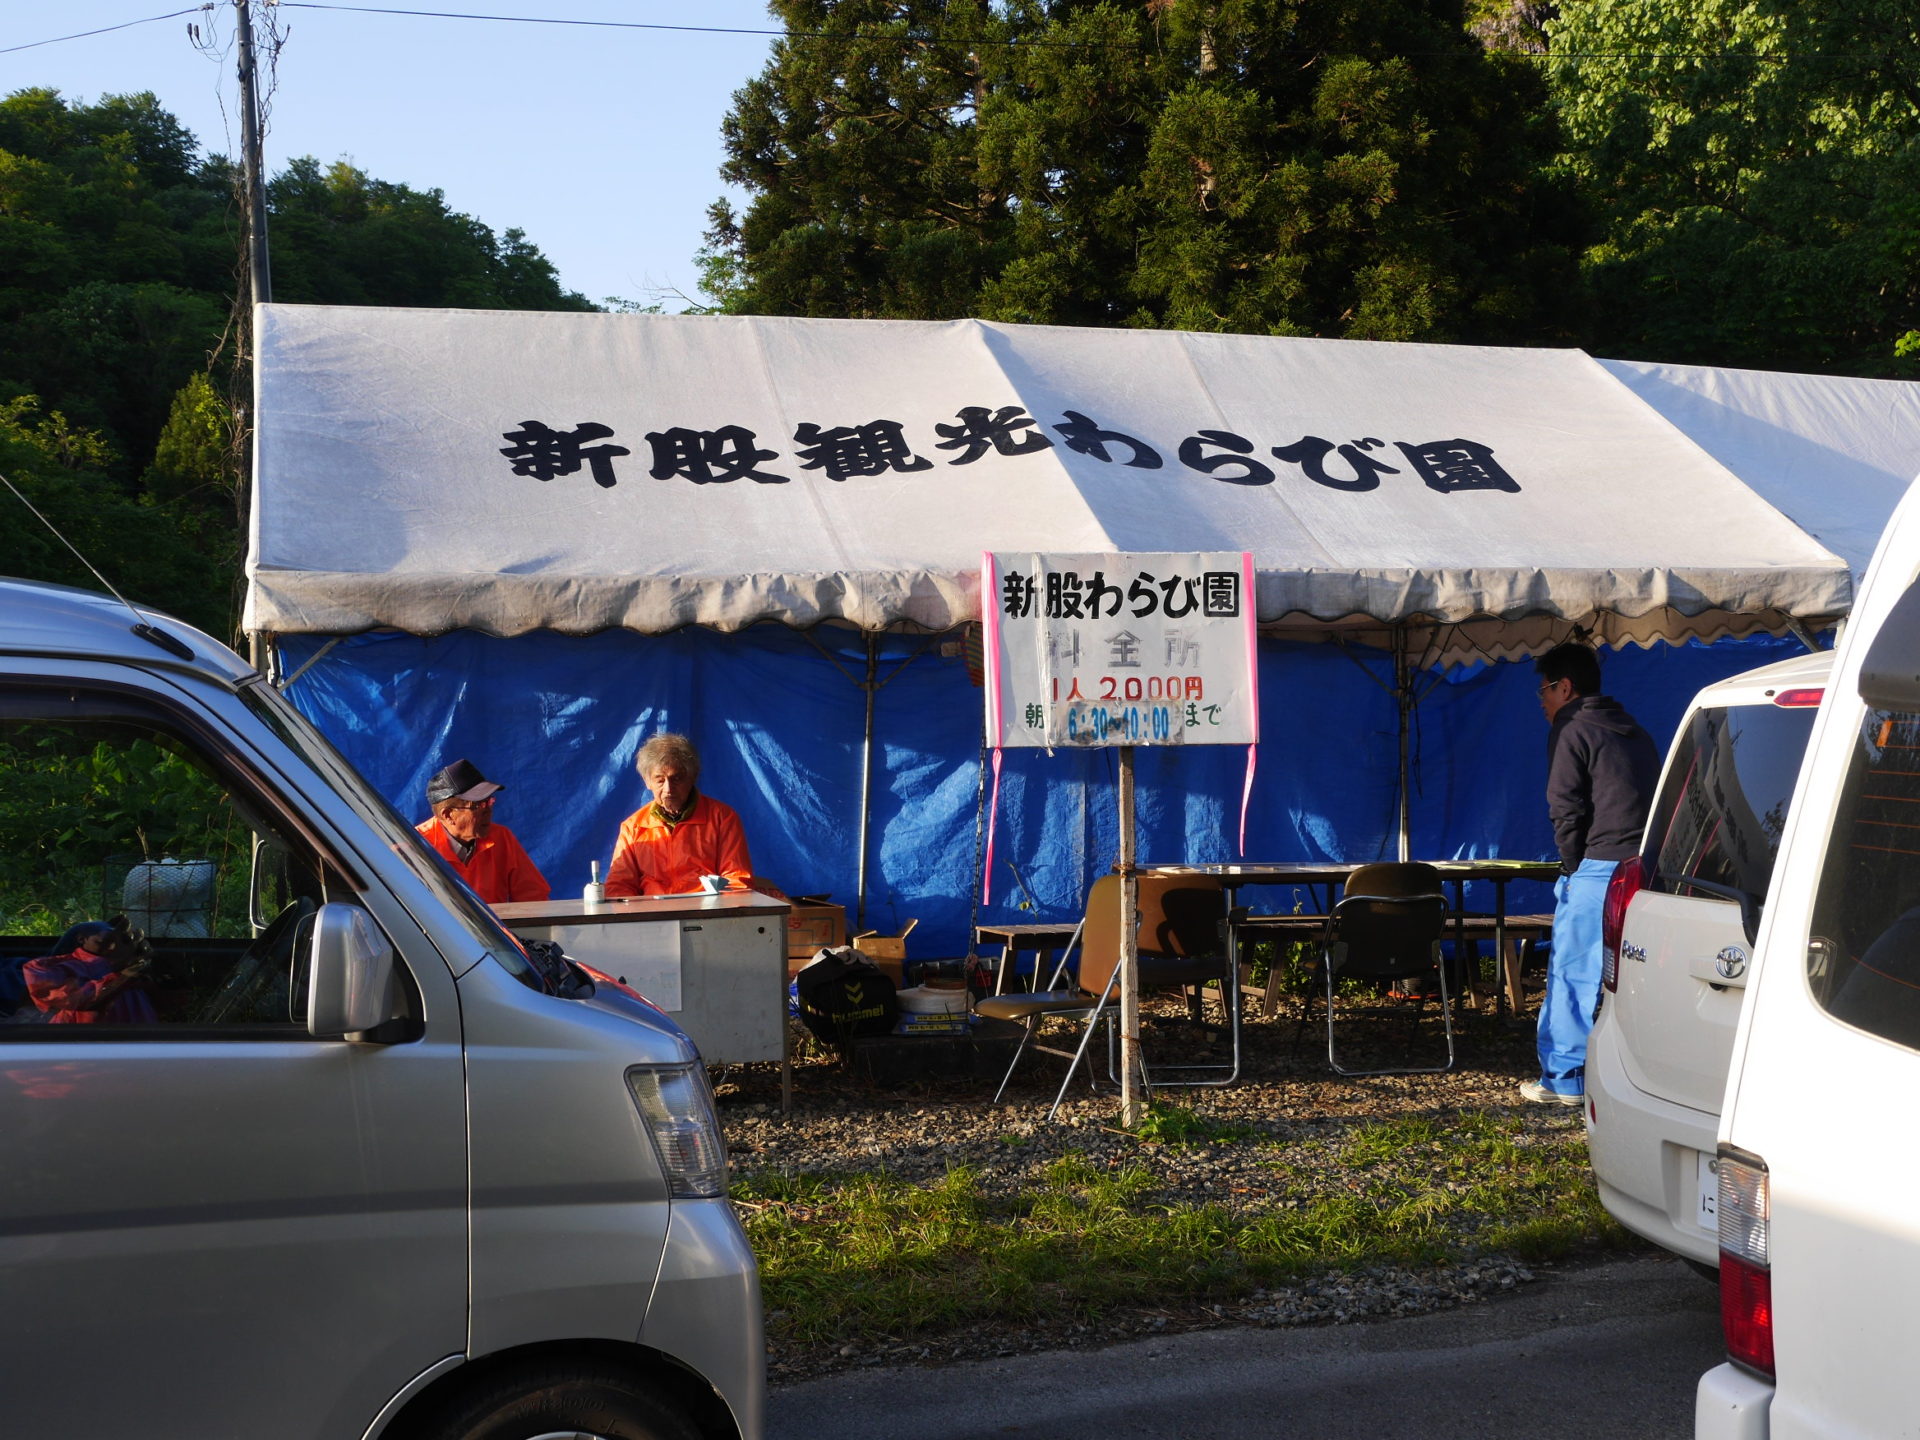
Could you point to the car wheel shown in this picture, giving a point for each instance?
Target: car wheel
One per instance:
(584, 1402)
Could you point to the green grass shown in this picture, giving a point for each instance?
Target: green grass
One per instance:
(864, 1258)
(1177, 1125)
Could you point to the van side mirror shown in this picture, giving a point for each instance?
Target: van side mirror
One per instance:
(351, 973)
(1890, 674)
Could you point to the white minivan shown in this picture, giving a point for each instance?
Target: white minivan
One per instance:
(330, 1156)
(1677, 934)
(1819, 1175)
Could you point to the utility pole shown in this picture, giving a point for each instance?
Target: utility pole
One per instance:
(259, 285)
(259, 281)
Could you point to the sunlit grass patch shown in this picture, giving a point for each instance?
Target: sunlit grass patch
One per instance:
(870, 1257)
(1177, 1125)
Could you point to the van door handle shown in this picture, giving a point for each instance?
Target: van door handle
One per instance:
(689, 929)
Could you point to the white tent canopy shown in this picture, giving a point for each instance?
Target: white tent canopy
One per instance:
(816, 470)
(1831, 452)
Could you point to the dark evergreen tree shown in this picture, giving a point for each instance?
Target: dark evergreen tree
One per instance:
(1342, 167)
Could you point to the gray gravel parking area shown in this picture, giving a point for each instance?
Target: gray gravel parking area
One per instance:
(1288, 1137)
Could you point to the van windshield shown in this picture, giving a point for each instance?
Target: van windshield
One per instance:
(1717, 820)
(300, 736)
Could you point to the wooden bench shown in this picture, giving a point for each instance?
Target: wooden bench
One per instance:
(1287, 929)
(1523, 932)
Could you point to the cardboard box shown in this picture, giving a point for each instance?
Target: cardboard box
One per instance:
(812, 927)
(875, 946)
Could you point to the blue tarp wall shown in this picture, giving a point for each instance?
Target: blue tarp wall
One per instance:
(778, 718)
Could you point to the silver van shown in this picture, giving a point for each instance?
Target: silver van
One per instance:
(328, 1154)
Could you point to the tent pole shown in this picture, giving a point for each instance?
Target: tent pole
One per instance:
(1403, 697)
(870, 685)
(979, 843)
(1800, 632)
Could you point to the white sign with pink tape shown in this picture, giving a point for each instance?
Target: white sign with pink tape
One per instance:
(1112, 649)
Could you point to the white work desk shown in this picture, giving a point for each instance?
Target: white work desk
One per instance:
(716, 963)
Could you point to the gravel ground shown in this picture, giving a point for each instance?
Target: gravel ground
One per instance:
(920, 1129)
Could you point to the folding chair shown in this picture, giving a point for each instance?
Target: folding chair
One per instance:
(1181, 944)
(1387, 927)
(1034, 1008)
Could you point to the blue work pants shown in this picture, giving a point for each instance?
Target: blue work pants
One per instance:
(1573, 977)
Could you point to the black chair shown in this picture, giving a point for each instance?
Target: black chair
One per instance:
(1386, 930)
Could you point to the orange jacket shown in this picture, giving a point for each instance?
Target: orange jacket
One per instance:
(67, 987)
(649, 859)
(497, 870)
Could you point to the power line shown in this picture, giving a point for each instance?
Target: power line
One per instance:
(709, 29)
(1038, 44)
(1013, 44)
(106, 29)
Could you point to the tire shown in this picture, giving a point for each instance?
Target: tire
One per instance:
(580, 1402)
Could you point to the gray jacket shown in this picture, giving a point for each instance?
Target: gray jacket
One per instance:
(1601, 770)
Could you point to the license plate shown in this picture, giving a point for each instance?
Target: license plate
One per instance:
(1707, 1215)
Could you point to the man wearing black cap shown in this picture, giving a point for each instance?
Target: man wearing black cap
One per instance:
(1602, 769)
(483, 854)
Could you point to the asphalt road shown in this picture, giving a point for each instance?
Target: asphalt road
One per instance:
(1607, 1353)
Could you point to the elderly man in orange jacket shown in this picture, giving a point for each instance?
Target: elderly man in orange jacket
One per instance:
(485, 855)
(666, 846)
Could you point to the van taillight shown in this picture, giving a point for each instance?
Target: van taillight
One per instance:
(1628, 878)
(1746, 1271)
(1798, 699)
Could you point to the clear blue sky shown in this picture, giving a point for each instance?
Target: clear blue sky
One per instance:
(602, 144)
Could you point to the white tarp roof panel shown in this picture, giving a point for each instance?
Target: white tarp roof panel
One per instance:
(1833, 453)
(811, 470)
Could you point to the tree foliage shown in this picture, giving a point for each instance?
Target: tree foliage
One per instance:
(84, 802)
(115, 260)
(163, 553)
(193, 458)
(340, 237)
(119, 245)
(1719, 181)
(1344, 167)
(1756, 164)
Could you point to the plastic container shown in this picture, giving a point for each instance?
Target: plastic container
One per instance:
(923, 1000)
(169, 897)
